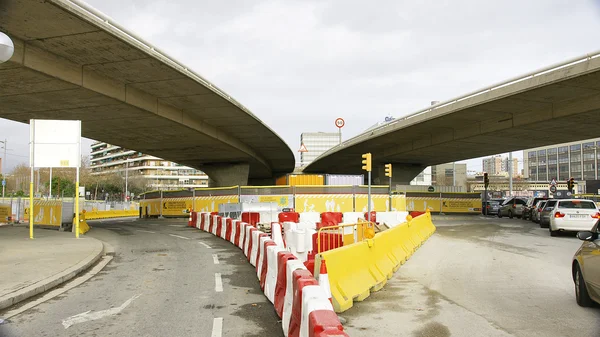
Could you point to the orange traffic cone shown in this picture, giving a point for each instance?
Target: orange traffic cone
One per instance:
(324, 280)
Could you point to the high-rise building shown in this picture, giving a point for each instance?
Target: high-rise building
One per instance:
(498, 165)
(158, 173)
(316, 143)
(578, 160)
(492, 165)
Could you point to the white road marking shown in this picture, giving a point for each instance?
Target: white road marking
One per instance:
(179, 236)
(204, 244)
(171, 225)
(215, 259)
(218, 283)
(144, 231)
(53, 293)
(92, 316)
(217, 327)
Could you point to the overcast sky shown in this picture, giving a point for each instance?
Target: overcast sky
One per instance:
(298, 65)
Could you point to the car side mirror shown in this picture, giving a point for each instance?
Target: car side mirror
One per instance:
(587, 236)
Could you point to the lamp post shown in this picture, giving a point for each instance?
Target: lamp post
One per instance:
(7, 48)
(2, 167)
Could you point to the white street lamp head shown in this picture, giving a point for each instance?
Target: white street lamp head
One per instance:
(7, 48)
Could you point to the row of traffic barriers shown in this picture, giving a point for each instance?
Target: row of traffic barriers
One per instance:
(95, 215)
(303, 304)
(357, 269)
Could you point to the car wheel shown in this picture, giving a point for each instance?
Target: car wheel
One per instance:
(581, 293)
(543, 224)
(500, 214)
(510, 214)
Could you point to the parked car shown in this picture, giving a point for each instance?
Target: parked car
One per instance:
(545, 214)
(492, 207)
(512, 207)
(530, 206)
(573, 215)
(586, 268)
(535, 214)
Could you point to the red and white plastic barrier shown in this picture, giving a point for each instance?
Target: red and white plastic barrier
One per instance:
(302, 302)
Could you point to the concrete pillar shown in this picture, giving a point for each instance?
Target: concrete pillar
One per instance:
(224, 175)
(402, 174)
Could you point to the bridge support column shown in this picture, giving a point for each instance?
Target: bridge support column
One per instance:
(402, 174)
(224, 175)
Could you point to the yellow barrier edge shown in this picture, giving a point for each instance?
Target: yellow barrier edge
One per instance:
(358, 269)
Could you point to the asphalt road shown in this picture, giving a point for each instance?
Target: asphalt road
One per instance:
(487, 277)
(163, 281)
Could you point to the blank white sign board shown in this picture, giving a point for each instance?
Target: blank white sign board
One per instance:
(56, 143)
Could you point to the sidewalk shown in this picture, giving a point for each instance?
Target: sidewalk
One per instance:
(30, 267)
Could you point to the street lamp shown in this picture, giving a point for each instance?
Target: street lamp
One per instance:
(7, 48)
(2, 167)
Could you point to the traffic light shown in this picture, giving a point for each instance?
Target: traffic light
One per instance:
(366, 162)
(388, 170)
(571, 184)
(486, 179)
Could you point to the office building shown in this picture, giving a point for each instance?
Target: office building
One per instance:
(444, 174)
(424, 178)
(159, 174)
(578, 160)
(315, 144)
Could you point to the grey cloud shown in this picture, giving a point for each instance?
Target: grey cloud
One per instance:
(298, 65)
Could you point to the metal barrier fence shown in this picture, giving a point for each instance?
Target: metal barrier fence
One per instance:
(54, 212)
(331, 237)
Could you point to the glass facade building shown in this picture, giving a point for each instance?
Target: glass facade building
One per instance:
(578, 160)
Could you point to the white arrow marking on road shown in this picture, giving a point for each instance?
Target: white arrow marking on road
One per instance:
(215, 259)
(92, 316)
(204, 244)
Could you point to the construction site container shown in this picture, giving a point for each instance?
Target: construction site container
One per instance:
(344, 179)
(301, 179)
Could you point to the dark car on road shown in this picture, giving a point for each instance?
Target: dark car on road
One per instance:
(490, 207)
(546, 212)
(530, 207)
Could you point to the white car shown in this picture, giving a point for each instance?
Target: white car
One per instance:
(573, 215)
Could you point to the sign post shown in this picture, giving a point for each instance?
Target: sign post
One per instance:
(54, 143)
(340, 124)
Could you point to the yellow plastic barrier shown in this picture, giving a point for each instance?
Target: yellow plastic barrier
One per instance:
(5, 212)
(96, 215)
(358, 269)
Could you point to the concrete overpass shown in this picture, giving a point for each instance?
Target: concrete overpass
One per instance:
(72, 62)
(560, 103)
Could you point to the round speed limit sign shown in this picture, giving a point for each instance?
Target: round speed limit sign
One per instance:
(340, 123)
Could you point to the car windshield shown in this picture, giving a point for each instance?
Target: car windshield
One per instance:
(577, 204)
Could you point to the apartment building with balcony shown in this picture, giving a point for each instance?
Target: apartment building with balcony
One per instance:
(160, 174)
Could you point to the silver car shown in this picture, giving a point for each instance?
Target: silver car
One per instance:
(573, 215)
(512, 207)
(536, 212)
(586, 268)
(546, 211)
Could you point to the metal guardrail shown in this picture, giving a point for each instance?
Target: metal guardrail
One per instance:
(331, 237)
(469, 95)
